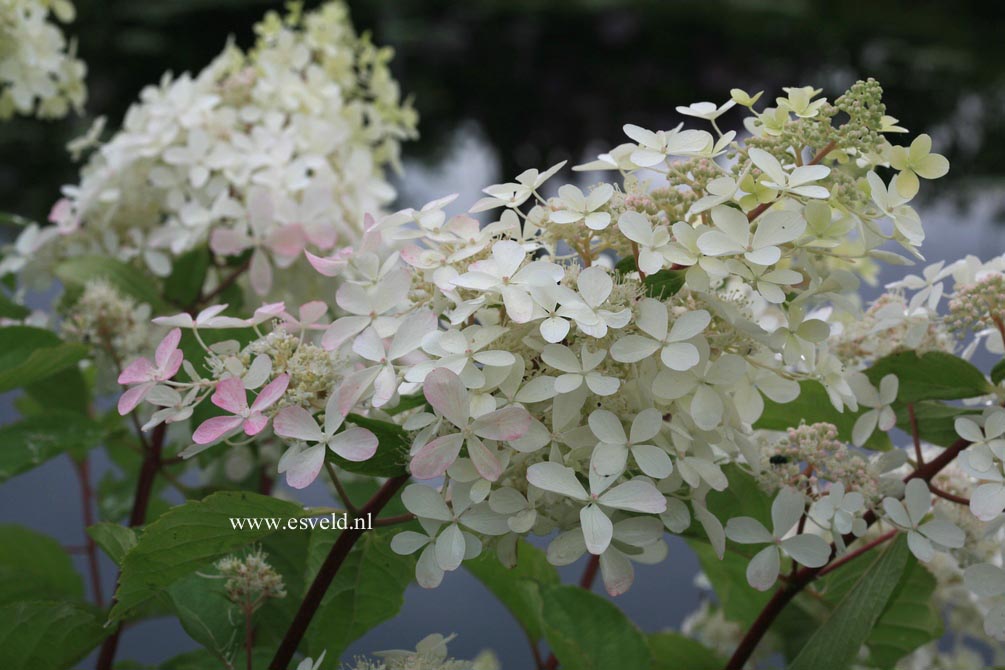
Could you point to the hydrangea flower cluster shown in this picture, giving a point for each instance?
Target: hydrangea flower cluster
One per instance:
(588, 365)
(40, 74)
(262, 155)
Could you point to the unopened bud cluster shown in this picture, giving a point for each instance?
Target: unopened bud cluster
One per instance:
(250, 580)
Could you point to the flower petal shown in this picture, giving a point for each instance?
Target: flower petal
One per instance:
(354, 444)
(213, 429)
(302, 465)
(506, 424)
(297, 423)
(434, 457)
(762, 571)
(597, 529)
(230, 395)
(556, 478)
(747, 530)
(446, 393)
(809, 550)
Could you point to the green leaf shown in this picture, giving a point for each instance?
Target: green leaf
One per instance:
(673, 651)
(32, 441)
(935, 375)
(742, 497)
(626, 265)
(10, 309)
(408, 402)
(189, 536)
(126, 278)
(588, 632)
(936, 421)
(836, 644)
(203, 610)
(289, 554)
(188, 275)
(392, 451)
(814, 406)
(664, 284)
(998, 372)
(29, 355)
(910, 618)
(64, 390)
(518, 587)
(203, 659)
(368, 589)
(34, 566)
(661, 285)
(42, 635)
(739, 600)
(114, 540)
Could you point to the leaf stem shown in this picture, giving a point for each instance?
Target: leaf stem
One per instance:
(315, 593)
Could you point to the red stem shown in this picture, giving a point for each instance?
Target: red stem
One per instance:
(312, 600)
(90, 547)
(952, 497)
(851, 555)
(589, 572)
(137, 517)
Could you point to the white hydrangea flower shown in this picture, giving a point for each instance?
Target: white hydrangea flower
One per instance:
(841, 513)
(40, 74)
(786, 510)
(924, 539)
(574, 206)
(706, 110)
(797, 182)
(880, 414)
(610, 457)
(733, 235)
(309, 118)
(655, 147)
(444, 543)
(637, 495)
(677, 351)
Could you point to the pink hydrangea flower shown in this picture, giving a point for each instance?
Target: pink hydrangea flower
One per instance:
(230, 395)
(146, 374)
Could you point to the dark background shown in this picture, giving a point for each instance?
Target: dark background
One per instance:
(503, 85)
